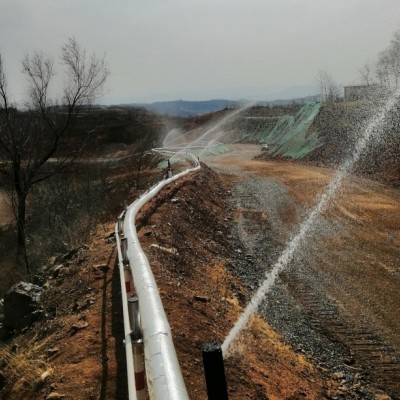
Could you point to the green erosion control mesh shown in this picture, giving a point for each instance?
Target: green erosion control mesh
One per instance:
(287, 136)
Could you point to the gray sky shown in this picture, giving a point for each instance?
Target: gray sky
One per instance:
(202, 49)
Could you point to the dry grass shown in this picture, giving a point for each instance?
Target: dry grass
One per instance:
(22, 367)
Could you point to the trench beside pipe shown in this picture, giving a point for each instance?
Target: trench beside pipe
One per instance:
(164, 376)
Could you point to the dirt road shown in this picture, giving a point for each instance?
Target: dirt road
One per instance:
(338, 299)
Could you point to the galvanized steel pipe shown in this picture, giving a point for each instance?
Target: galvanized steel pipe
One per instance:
(164, 377)
(125, 313)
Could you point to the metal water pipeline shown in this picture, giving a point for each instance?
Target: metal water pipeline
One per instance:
(125, 313)
(164, 376)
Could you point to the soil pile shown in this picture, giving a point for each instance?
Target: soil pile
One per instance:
(340, 125)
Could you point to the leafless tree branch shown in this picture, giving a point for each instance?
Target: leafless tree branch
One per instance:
(329, 90)
(29, 138)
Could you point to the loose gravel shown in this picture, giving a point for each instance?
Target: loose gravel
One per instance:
(261, 233)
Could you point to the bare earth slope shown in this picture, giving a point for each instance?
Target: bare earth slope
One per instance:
(338, 300)
(327, 330)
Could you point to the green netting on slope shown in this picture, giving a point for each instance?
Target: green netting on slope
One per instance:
(290, 137)
(254, 130)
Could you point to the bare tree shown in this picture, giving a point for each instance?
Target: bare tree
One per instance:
(388, 65)
(383, 69)
(30, 137)
(329, 90)
(366, 72)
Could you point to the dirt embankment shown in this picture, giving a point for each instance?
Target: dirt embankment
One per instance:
(339, 126)
(324, 135)
(80, 343)
(203, 295)
(335, 300)
(329, 329)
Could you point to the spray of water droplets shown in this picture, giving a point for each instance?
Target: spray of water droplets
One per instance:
(373, 130)
(208, 138)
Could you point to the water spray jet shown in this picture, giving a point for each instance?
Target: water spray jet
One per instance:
(373, 130)
(172, 136)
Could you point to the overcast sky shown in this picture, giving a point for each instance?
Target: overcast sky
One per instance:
(202, 49)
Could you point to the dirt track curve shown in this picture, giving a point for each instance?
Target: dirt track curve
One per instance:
(337, 302)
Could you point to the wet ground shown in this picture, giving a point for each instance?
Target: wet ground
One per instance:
(337, 300)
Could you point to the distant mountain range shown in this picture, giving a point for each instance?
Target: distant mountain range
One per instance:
(185, 108)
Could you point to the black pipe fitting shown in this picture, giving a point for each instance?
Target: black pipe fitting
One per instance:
(214, 371)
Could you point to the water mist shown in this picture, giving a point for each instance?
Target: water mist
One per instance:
(372, 130)
(210, 136)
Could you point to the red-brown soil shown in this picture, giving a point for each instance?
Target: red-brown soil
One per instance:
(203, 295)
